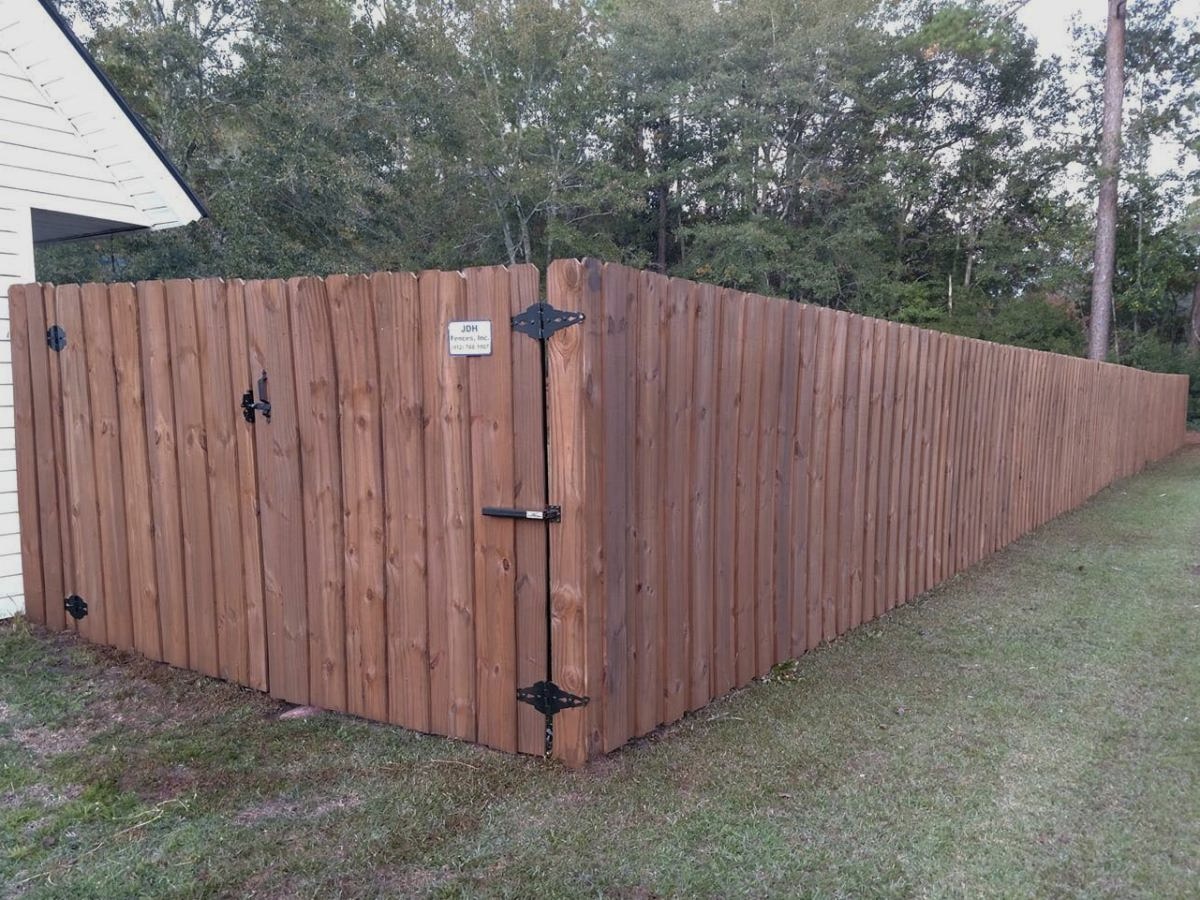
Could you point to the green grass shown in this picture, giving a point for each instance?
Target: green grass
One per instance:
(1030, 728)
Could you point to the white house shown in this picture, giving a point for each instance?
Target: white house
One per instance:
(75, 162)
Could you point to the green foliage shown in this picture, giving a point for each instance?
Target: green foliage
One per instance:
(914, 159)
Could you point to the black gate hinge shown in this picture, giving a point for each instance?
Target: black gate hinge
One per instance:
(76, 606)
(545, 514)
(548, 698)
(540, 320)
(56, 338)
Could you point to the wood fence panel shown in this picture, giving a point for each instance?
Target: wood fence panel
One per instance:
(281, 503)
(159, 398)
(728, 411)
(143, 580)
(242, 377)
(884, 511)
(831, 467)
(740, 478)
(199, 586)
(221, 424)
(356, 361)
(834, 438)
(616, 312)
(860, 519)
(847, 518)
(531, 490)
(802, 465)
(675, 508)
(113, 603)
(746, 507)
(320, 461)
(80, 477)
(787, 472)
(401, 392)
(28, 498)
(702, 433)
(817, 483)
(649, 558)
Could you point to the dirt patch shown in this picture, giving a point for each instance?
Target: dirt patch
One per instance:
(160, 783)
(1195, 570)
(45, 743)
(40, 794)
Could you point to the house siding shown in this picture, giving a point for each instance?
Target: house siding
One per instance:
(16, 267)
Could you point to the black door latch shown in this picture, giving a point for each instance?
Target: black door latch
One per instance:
(76, 606)
(263, 405)
(545, 514)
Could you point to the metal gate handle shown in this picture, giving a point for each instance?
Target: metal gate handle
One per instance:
(263, 405)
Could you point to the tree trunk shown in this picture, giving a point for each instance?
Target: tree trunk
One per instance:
(1194, 330)
(1104, 260)
(661, 256)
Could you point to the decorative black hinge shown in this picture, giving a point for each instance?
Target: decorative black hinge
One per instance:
(541, 320)
(548, 698)
(56, 338)
(545, 514)
(263, 405)
(76, 606)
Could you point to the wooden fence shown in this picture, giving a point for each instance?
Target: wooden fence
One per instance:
(740, 478)
(743, 478)
(331, 554)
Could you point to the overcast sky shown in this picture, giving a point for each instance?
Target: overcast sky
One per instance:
(1050, 20)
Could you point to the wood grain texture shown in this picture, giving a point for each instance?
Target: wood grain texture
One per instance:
(221, 422)
(492, 478)
(28, 498)
(402, 395)
(139, 517)
(359, 417)
(46, 421)
(280, 486)
(113, 603)
(741, 478)
(154, 338)
(242, 377)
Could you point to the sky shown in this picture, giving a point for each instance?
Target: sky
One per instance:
(1050, 20)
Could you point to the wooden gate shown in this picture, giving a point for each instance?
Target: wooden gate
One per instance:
(329, 549)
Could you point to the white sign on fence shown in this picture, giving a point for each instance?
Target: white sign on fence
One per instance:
(470, 338)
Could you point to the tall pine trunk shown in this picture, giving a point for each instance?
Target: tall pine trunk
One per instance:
(1194, 330)
(1104, 260)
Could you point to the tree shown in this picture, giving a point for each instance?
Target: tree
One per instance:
(1104, 259)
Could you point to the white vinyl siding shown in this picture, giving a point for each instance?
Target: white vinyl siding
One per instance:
(45, 162)
(67, 147)
(16, 267)
(70, 102)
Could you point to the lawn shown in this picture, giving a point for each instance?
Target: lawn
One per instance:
(1030, 728)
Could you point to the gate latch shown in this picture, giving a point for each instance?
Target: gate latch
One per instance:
(76, 606)
(263, 405)
(545, 514)
(548, 698)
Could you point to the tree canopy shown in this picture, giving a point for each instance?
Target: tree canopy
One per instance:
(913, 159)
